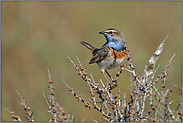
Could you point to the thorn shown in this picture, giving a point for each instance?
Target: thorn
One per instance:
(20, 96)
(71, 61)
(78, 61)
(65, 83)
(49, 74)
(165, 38)
(172, 57)
(119, 88)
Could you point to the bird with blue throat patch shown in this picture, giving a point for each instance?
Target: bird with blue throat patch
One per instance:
(111, 54)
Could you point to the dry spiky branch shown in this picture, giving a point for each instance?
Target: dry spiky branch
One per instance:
(30, 117)
(146, 103)
(143, 89)
(57, 112)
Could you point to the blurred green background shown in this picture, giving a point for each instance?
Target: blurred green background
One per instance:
(39, 35)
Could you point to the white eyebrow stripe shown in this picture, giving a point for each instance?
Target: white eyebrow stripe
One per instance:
(114, 30)
(111, 31)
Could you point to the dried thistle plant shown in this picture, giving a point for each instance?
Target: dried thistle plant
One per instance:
(146, 103)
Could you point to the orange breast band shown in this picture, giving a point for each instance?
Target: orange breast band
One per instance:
(118, 55)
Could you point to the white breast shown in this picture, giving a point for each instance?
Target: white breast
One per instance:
(109, 63)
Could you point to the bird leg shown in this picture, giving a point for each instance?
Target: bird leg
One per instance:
(105, 77)
(109, 75)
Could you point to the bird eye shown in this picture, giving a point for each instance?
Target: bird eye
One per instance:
(110, 32)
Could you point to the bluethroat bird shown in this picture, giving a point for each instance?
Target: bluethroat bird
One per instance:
(111, 54)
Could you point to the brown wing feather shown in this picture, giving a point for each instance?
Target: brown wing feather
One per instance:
(100, 54)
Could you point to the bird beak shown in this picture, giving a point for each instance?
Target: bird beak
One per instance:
(101, 32)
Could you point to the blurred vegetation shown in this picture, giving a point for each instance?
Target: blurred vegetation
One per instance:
(39, 35)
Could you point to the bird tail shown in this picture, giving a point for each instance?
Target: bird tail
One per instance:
(90, 47)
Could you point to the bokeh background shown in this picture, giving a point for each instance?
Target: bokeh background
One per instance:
(40, 35)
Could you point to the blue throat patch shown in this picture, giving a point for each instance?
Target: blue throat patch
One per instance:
(116, 45)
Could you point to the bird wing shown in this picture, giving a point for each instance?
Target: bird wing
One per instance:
(100, 54)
